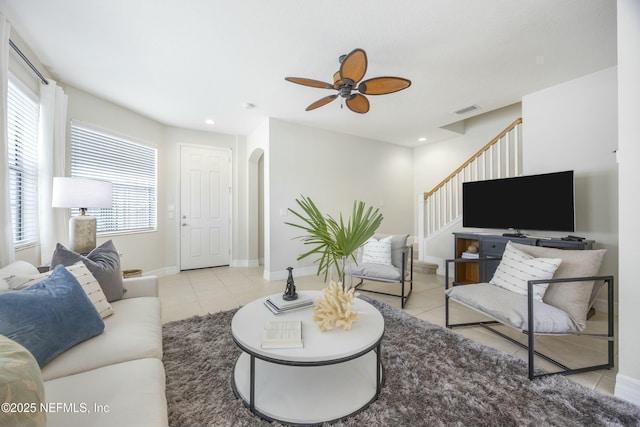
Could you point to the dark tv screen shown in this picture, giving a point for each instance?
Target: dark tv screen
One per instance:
(536, 202)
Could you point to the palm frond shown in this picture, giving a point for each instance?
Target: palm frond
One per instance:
(334, 239)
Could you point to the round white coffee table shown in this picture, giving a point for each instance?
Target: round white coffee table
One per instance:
(337, 374)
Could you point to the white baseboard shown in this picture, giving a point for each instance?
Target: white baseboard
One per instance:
(245, 263)
(627, 388)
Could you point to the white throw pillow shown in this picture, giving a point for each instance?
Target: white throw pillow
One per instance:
(82, 274)
(517, 267)
(91, 286)
(377, 251)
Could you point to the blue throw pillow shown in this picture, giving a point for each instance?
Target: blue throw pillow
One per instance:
(50, 316)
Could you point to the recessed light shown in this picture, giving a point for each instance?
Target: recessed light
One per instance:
(422, 139)
(210, 122)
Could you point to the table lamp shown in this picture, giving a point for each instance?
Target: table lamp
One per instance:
(81, 193)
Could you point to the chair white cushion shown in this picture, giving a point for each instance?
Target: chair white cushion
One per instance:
(377, 251)
(572, 297)
(376, 272)
(510, 309)
(398, 245)
(517, 267)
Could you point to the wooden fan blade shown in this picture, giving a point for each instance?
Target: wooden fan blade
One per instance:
(309, 82)
(353, 66)
(320, 102)
(358, 103)
(383, 85)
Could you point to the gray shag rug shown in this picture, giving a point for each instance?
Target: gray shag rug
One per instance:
(434, 377)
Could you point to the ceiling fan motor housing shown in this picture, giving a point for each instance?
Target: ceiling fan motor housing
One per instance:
(346, 88)
(352, 69)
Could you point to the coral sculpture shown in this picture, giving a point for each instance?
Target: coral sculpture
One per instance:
(335, 308)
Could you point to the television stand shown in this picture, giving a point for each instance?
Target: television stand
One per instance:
(492, 246)
(516, 234)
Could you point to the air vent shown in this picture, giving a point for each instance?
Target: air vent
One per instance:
(466, 110)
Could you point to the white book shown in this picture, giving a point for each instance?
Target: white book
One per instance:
(276, 310)
(282, 304)
(282, 334)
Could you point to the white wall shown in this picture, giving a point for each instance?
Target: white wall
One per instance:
(113, 118)
(628, 378)
(573, 126)
(333, 170)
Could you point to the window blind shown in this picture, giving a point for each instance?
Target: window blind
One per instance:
(22, 132)
(131, 168)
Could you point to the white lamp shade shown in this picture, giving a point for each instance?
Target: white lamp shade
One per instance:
(81, 193)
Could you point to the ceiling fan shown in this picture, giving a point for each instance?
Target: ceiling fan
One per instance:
(352, 69)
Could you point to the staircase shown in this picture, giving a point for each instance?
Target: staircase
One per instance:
(420, 266)
(442, 206)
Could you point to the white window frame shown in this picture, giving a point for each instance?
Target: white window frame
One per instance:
(129, 165)
(23, 117)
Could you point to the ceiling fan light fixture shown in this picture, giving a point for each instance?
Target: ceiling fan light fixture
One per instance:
(352, 69)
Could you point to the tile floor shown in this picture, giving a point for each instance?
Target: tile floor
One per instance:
(198, 292)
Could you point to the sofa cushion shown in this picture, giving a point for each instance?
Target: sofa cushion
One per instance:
(377, 251)
(81, 273)
(20, 383)
(517, 267)
(510, 308)
(49, 317)
(103, 262)
(126, 394)
(376, 272)
(4, 286)
(19, 268)
(133, 332)
(572, 297)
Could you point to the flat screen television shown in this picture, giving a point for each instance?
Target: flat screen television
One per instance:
(544, 202)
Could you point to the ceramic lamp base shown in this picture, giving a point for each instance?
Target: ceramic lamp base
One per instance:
(82, 234)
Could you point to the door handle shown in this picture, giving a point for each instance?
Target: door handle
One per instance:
(184, 224)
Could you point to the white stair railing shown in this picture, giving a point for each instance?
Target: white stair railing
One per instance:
(500, 158)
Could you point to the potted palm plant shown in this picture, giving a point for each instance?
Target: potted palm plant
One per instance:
(333, 240)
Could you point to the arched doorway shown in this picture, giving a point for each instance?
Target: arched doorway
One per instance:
(256, 218)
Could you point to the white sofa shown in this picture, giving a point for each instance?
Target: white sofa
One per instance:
(116, 378)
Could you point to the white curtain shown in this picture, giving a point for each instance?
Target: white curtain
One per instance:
(51, 156)
(7, 252)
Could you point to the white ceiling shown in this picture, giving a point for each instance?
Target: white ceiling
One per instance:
(183, 61)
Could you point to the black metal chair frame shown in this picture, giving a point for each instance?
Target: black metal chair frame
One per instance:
(407, 253)
(530, 347)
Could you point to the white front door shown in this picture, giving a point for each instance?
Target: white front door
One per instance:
(205, 193)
